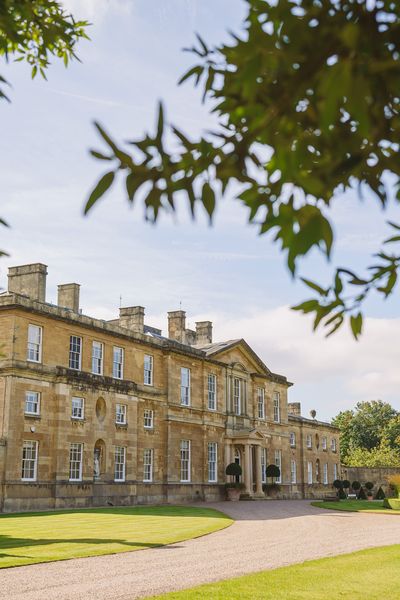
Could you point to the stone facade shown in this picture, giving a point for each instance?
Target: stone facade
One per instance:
(97, 412)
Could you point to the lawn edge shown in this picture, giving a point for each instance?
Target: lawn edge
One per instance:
(46, 562)
(387, 511)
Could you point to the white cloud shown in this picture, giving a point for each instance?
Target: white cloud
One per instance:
(96, 10)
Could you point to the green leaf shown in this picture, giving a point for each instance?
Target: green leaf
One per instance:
(314, 286)
(208, 199)
(101, 187)
(356, 323)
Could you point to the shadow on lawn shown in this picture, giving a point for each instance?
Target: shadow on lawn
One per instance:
(9, 542)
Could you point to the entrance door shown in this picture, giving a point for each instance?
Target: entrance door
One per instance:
(237, 461)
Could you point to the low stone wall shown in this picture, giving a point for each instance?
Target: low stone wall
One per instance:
(377, 475)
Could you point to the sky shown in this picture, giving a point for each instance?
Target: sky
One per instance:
(226, 273)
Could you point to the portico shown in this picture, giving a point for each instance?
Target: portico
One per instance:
(246, 447)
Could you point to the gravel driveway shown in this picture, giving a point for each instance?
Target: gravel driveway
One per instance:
(265, 535)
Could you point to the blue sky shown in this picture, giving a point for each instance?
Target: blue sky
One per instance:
(226, 273)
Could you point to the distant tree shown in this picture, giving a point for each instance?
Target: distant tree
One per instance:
(307, 103)
(366, 428)
(381, 456)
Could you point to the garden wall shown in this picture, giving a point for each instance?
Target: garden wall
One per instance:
(378, 475)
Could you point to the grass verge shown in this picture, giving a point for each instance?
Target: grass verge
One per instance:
(29, 538)
(357, 506)
(358, 576)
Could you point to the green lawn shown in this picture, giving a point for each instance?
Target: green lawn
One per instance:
(28, 538)
(369, 574)
(357, 506)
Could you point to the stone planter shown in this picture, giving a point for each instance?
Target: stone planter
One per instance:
(233, 494)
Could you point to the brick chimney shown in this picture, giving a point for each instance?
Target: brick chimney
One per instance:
(132, 318)
(68, 296)
(203, 332)
(177, 325)
(28, 280)
(294, 408)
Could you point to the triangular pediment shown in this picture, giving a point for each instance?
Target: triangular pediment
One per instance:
(239, 355)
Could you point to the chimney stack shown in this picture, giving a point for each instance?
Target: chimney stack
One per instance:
(203, 333)
(294, 408)
(177, 325)
(28, 280)
(68, 296)
(132, 318)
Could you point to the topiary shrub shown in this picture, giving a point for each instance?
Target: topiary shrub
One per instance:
(380, 494)
(369, 485)
(233, 469)
(356, 485)
(361, 494)
(346, 484)
(338, 484)
(273, 471)
(341, 494)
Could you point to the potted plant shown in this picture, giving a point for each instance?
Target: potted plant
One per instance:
(338, 485)
(369, 485)
(234, 488)
(272, 488)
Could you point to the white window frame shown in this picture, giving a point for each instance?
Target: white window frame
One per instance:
(333, 444)
(75, 409)
(263, 465)
(185, 460)
(75, 461)
(278, 462)
(237, 396)
(34, 344)
(148, 418)
(121, 411)
(212, 391)
(309, 472)
(277, 407)
(119, 463)
(292, 438)
(212, 455)
(75, 352)
(185, 386)
(293, 472)
(118, 362)
(325, 474)
(261, 403)
(148, 457)
(34, 401)
(309, 441)
(29, 460)
(324, 442)
(148, 365)
(335, 471)
(97, 357)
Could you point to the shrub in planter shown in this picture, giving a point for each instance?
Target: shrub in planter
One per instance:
(380, 494)
(346, 484)
(356, 485)
(361, 494)
(233, 469)
(338, 484)
(233, 490)
(394, 482)
(369, 485)
(272, 471)
(341, 494)
(235, 485)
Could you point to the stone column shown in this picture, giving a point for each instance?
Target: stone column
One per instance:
(247, 473)
(259, 490)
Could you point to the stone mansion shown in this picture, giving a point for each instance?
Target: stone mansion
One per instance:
(94, 412)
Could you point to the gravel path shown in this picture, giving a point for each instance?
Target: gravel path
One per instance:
(265, 535)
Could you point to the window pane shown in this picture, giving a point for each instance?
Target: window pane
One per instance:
(148, 369)
(29, 460)
(32, 403)
(34, 348)
(75, 345)
(75, 462)
(119, 463)
(185, 460)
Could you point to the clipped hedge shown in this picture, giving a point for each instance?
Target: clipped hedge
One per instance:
(380, 494)
(393, 503)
